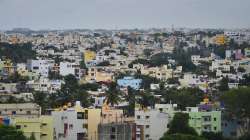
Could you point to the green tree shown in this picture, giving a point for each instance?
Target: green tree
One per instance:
(130, 98)
(183, 97)
(113, 94)
(238, 106)
(11, 133)
(181, 137)
(179, 124)
(82, 64)
(223, 84)
(83, 96)
(54, 75)
(147, 52)
(213, 136)
(18, 53)
(90, 86)
(146, 80)
(104, 63)
(147, 99)
(41, 98)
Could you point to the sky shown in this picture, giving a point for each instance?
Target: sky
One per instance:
(123, 14)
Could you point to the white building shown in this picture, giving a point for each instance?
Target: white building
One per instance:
(153, 123)
(40, 67)
(69, 124)
(67, 68)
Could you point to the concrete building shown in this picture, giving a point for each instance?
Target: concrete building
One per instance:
(247, 52)
(28, 110)
(97, 74)
(41, 127)
(130, 82)
(151, 124)
(76, 123)
(40, 67)
(204, 121)
(116, 131)
(67, 68)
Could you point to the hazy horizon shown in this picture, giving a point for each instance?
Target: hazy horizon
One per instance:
(123, 14)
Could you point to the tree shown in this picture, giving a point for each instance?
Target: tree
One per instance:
(183, 58)
(54, 75)
(147, 52)
(82, 96)
(181, 137)
(146, 80)
(90, 86)
(223, 84)
(11, 133)
(113, 94)
(238, 106)
(159, 59)
(18, 53)
(139, 61)
(146, 99)
(213, 136)
(130, 98)
(104, 63)
(179, 124)
(241, 69)
(83, 65)
(41, 98)
(183, 97)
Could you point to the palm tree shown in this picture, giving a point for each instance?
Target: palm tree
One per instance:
(113, 94)
(147, 99)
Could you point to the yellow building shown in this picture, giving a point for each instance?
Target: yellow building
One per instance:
(89, 55)
(162, 73)
(94, 118)
(99, 75)
(22, 70)
(8, 66)
(77, 122)
(220, 40)
(41, 127)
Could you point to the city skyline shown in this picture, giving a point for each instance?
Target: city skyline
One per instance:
(120, 14)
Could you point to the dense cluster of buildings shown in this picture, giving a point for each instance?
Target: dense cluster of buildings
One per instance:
(99, 57)
(75, 122)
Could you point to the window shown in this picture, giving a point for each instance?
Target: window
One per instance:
(215, 128)
(147, 117)
(138, 135)
(85, 126)
(147, 126)
(35, 68)
(138, 116)
(160, 109)
(214, 119)
(147, 136)
(21, 110)
(113, 129)
(13, 112)
(86, 114)
(18, 126)
(0, 112)
(80, 115)
(112, 136)
(28, 112)
(25, 126)
(168, 126)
